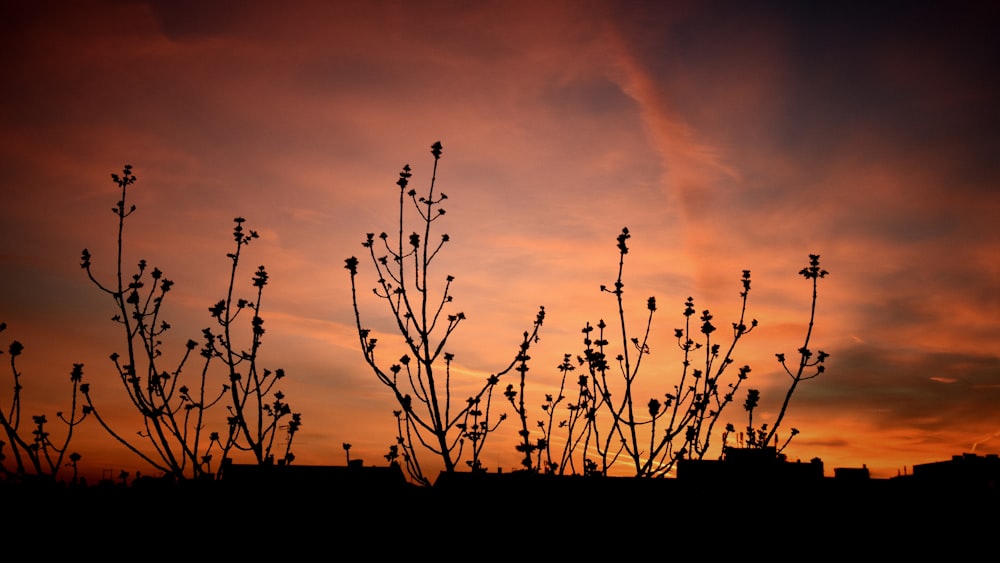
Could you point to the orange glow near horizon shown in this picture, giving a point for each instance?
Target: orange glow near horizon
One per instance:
(724, 141)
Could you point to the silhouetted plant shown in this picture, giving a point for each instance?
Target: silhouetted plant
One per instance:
(74, 462)
(606, 419)
(808, 367)
(256, 408)
(36, 455)
(428, 419)
(516, 399)
(580, 411)
(174, 413)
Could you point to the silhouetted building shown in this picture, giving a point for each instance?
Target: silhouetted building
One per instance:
(852, 473)
(966, 471)
(354, 479)
(758, 464)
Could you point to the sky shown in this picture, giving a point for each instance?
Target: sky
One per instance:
(724, 135)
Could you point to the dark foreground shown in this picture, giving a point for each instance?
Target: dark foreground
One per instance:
(494, 517)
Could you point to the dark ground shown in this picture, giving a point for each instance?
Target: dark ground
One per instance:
(491, 517)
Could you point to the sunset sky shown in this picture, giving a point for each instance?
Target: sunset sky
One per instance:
(725, 136)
